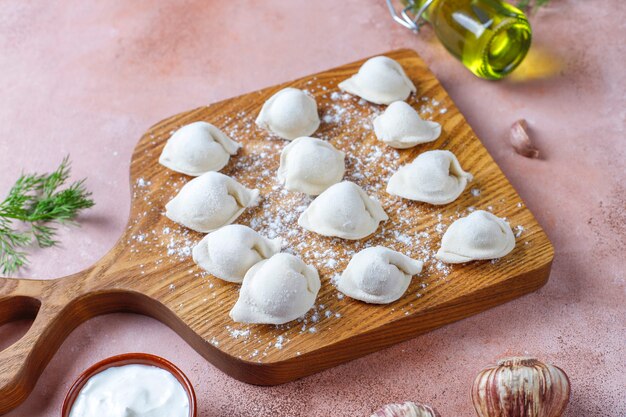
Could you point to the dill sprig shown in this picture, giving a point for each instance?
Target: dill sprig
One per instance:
(36, 202)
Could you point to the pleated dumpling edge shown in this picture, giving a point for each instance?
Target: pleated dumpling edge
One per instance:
(276, 291)
(209, 202)
(434, 177)
(230, 251)
(400, 126)
(380, 80)
(480, 235)
(289, 113)
(310, 165)
(378, 275)
(344, 210)
(198, 148)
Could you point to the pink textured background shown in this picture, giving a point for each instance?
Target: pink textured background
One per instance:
(88, 78)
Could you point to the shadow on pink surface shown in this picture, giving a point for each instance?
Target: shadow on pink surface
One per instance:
(89, 77)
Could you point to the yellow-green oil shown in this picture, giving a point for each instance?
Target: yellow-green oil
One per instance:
(490, 37)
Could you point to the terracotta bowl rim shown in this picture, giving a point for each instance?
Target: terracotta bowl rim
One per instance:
(128, 359)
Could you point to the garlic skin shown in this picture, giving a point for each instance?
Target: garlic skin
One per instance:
(408, 409)
(521, 141)
(521, 387)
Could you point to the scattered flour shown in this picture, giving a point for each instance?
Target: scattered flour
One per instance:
(279, 342)
(414, 229)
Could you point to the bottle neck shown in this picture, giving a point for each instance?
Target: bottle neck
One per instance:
(427, 7)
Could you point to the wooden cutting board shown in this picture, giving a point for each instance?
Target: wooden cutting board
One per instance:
(150, 270)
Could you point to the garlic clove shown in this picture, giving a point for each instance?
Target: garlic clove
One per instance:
(408, 409)
(521, 387)
(520, 140)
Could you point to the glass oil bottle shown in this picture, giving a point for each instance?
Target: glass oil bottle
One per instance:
(490, 37)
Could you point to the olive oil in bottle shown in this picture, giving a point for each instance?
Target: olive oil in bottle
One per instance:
(490, 37)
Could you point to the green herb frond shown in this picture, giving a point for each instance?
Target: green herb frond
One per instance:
(12, 257)
(36, 200)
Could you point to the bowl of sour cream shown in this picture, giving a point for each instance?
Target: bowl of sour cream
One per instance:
(131, 385)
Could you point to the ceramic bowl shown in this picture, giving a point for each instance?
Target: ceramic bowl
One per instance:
(128, 359)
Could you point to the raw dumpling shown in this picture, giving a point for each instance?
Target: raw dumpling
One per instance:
(380, 80)
(310, 165)
(290, 113)
(343, 210)
(434, 177)
(400, 126)
(378, 275)
(277, 290)
(230, 251)
(209, 202)
(481, 235)
(197, 148)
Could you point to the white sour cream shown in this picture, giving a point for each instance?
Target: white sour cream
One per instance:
(132, 391)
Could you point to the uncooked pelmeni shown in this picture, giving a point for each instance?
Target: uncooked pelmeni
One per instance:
(197, 148)
(290, 113)
(209, 202)
(481, 235)
(276, 291)
(378, 275)
(400, 126)
(380, 80)
(230, 251)
(344, 210)
(434, 177)
(310, 165)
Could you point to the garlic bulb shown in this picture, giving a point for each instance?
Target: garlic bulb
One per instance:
(521, 387)
(408, 409)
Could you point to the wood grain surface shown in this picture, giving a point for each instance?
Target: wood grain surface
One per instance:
(150, 270)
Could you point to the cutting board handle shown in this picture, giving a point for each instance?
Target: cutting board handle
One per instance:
(49, 302)
(58, 306)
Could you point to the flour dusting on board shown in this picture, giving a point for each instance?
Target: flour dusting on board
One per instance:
(414, 229)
